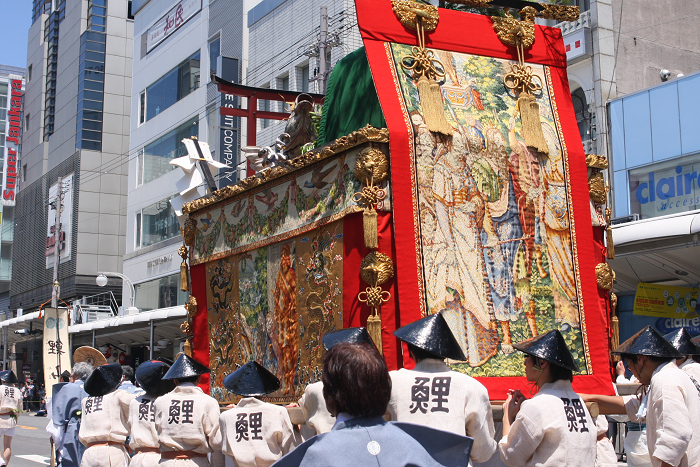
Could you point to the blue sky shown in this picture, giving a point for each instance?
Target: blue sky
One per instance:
(14, 25)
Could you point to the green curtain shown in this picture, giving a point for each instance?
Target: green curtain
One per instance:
(351, 99)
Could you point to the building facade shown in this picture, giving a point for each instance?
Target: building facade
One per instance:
(172, 97)
(76, 128)
(284, 49)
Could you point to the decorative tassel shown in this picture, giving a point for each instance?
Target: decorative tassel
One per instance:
(184, 277)
(609, 243)
(188, 348)
(369, 222)
(531, 126)
(431, 105)
(615, 325)
(374, 328)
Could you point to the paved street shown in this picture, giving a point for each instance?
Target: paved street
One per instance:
(30, 446)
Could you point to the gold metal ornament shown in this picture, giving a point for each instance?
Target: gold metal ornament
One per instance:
(597, 188)
(184, 269)
(371, 167)
(596, 161)
(604, 276)
(375, 269)
(422, 63)
(609, 243)
(190, 231)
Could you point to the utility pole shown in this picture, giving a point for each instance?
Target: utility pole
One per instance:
(322, 46)
(58, 207)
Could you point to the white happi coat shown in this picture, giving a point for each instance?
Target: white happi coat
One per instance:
(692, 368)
(142, 426)
(105, 419)
(434, 395)
(605, 451)
(313, 406)
(672, 417)
(10, 401)
(188, 420)
(552, 429)
(255, 433)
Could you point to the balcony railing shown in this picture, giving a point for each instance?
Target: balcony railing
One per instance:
(583, 21)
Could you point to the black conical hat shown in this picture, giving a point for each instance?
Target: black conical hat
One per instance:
(348, 336)
(9, 377)
(150, 374)
(250, 380)
(433, 335)
(550, 347)
(104, 379)
(681, 340)
(648, 341)
(185, 367)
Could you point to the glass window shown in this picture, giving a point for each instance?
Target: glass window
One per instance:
(142, 107)
(158, 223)
(159, 153)
(159, 293)
(303, 84)
(214, 52)
(138, 228)
(173, 86)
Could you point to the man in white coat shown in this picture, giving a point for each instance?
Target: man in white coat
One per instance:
(143, 440)
(255, 433)
(680, 339)
(553, 428)
(187, 419)
(10, 407)
(434, 395)
(103, 428)
(671, 406)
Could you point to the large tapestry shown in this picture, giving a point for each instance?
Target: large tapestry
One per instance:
(495, 235)
(273, 304)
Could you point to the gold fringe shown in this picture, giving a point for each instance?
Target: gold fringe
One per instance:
(188, 348)
(531, 126)
(184, 277)
(369, 222)
(615, 325)
(431, 105)
(609, 243)
(374, 328)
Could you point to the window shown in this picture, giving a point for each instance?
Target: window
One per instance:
(29, 73)
(26, 122)
(129, 14)
(283, 85)
(214, 52)
(97, 15)
(90, 88)
(159, 293)
(154, 159)
(142, 107)
(156, 223)
(303, 78)
(173, 86)
(24, 172)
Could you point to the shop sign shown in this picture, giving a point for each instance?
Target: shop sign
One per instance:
(12, 142)
(66, 227)
(666, 188)
(666, 325)
(665, 301)
(171, 22)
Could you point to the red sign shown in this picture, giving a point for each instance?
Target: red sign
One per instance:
(14, 116)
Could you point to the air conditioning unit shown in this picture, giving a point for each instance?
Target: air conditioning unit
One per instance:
(625, 219)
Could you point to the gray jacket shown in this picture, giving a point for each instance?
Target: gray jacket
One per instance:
(373, 441)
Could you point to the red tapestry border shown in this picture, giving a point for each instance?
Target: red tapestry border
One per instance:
(200, 323)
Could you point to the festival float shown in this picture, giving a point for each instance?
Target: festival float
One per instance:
(447, 175)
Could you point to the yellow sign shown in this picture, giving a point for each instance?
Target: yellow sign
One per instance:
(665, 301)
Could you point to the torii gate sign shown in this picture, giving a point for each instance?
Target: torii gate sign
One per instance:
(252, 113)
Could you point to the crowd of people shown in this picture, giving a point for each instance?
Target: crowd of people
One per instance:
(362, 414)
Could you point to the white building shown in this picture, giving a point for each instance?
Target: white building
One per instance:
(178, 44)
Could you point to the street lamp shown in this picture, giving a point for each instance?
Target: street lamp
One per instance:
(101, 280)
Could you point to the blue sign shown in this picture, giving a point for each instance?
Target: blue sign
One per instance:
(666, 325)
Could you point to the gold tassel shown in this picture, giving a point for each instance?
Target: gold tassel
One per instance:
(369, 222)
(374, 328)
(431, 105)
(609, 243)
(188, 348)
(531, 126)
(615, 325)
(184, 277)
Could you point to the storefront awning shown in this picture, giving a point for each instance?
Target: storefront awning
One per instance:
(11, 323)
(143, 317)
(657, 228)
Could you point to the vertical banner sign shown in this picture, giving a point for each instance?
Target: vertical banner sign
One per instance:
(12, 142)
(228, 128)
(64, 240)
(56, 346)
